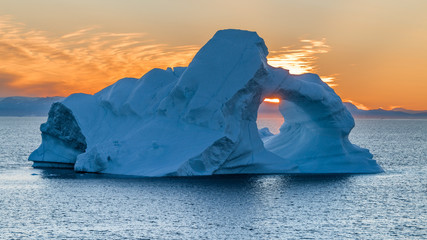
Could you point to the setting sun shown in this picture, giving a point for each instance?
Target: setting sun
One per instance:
(272, 100)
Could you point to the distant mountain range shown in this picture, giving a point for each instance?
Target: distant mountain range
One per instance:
(396, 113)
(271, 110)
(26, 106)
(39, 106)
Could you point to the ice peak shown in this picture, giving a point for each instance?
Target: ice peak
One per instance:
(242, 37)
(221, 68)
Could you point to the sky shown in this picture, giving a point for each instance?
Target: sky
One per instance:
(373, 53)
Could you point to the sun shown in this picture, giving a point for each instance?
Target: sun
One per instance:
(272, 100)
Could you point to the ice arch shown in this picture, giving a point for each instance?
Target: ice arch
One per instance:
(201, 120)
(315, 133)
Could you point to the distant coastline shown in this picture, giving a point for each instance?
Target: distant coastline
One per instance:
(39, 106)
(26, 106)
(268, 110)
(397, 113)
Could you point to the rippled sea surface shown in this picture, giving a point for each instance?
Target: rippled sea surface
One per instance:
(59, 204)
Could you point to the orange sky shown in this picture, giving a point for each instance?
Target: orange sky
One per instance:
(373, 53)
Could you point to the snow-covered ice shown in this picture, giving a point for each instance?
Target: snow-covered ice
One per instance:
(201, 120)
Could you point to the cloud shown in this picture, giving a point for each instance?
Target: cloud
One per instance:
(78, 33)
(86, 60)
(358, 105)
(301, 58)
(89, 59)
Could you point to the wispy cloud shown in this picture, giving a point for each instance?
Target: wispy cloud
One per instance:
(358, 105)
(78, 33)
(302, 58)
(82, 61)
(88, 59)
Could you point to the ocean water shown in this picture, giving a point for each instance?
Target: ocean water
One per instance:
(60, 204)
(271, 122)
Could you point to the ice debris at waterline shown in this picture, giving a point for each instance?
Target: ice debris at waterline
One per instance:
(201, 120)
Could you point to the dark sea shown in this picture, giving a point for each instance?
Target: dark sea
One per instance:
(60, 204)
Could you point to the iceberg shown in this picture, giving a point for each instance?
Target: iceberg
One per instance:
(201, 120)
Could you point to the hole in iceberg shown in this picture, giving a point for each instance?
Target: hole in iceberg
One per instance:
(269, 118)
